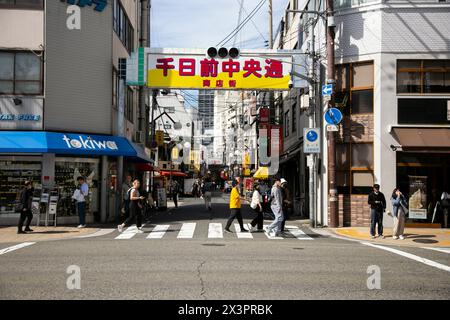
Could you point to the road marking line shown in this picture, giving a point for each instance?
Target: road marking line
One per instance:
(99, 233)
(215, 231)
(187, 231)
(129, 233)
(299, 234)
(242, 235)
(158, 231)
(410, 256)
(270, 237)
(16, 247)
(444, 250)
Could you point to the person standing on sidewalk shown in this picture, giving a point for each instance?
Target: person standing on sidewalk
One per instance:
(377, 203)
(25, 198)
(207, 189)
(274, 229)
(175, 192)
(135, 208)
(399, 210)
(126, 186)
(235, 208)
(445, 205)
(81, 201)
(257, 208)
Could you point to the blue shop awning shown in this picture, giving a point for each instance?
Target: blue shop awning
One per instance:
(66, 143)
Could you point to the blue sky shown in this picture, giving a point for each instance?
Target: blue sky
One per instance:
(204, 23)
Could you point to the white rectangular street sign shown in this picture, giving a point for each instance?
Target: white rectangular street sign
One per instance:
(311, 140)
(333, 128)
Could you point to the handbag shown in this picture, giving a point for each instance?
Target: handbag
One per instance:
(18, 206)
(76, 195)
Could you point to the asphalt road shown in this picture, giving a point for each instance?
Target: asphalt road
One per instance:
(229, 268)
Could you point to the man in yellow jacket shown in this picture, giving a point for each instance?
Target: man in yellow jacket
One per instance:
(235, 207)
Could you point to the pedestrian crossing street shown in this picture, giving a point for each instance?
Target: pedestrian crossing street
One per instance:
(214, 231)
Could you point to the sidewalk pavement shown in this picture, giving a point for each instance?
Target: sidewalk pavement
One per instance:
(9, 234)
(414, 237)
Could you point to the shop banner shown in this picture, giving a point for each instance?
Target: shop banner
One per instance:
(418, 197)
(193, 69)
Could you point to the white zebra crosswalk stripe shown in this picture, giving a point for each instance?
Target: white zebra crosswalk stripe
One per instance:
(215, 231)
(158, 231)
(299, 234)
(242, 235)
(187, 231)
(271, 237)
(129, 233)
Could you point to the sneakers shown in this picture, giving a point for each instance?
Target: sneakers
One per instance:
(21, 232)
(29, 230)
(372, 237)
(395, 237)
(140, 231)
(244, 230)
(120, 228)
(227, 230)
(402, 237)
(81, 226)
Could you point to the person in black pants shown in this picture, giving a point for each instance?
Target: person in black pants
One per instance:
(257, 208)
(135, 208)
(286, 202)
(377, 203)
(235, 208)
(26, 196)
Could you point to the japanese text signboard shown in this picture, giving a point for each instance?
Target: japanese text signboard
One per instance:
(195, 70)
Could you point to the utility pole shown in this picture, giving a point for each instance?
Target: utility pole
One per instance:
(312, 124)
(270, 25)
(333, 197)
(143, 42)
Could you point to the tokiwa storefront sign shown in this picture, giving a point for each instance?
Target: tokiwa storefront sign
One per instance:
(198, 71)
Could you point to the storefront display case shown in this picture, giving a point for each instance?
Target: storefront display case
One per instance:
(67, 170)
(14, 171)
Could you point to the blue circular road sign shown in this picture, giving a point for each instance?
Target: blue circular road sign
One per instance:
(311, 136)
(333, 116)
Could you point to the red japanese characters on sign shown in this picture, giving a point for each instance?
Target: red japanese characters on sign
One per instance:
(197, 71)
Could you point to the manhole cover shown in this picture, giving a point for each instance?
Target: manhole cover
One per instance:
(213, 245)
(425, 241)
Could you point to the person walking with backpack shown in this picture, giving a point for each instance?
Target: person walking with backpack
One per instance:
(235, 208)
(445, 205)
(399, 211)
(207, 189)
(175, 191)
(24, 206)
(135, 208)
(274, 229)
(377, 203)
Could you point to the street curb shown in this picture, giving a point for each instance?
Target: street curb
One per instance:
(60, 239)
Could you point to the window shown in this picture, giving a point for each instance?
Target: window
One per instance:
(129, 105)
(423, 111)
(362, 155)
(294, 117)
(20, 73)
(115, 89)
(362, 75)
(286, 124)
(25, 4)
(362, 101)
(122, 26)
(423, 76)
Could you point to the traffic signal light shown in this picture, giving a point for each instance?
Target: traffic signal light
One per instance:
(223, 52)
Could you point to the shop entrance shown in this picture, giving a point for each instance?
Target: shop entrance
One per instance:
(433, 172)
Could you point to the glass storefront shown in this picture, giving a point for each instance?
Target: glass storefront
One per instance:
(423, 178)
(67, 170)
(14, 171)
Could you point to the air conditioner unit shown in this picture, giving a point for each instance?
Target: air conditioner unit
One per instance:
(304, 101)
(139, 137)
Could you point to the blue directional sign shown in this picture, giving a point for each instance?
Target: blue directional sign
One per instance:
(333, 116)
(327, 89)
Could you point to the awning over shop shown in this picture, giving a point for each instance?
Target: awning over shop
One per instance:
(144, 167)
(173, 174)
(422, 137)
(262, 173)
(66, 143)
